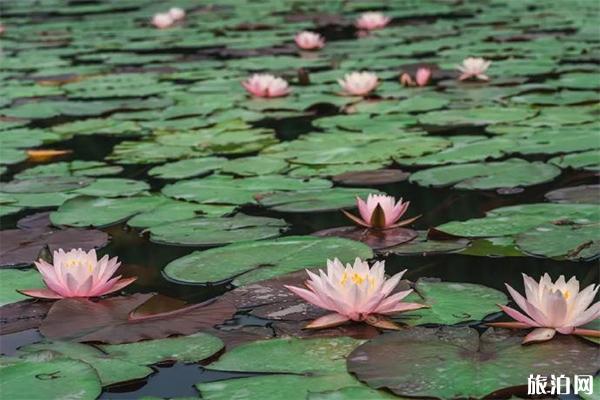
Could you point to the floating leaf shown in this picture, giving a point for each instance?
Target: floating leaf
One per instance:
(371, 178)
(217, 231)
(313, 200)
(458, 363)
(254, 261)
(374, 238)
(108, 320)
(584, 194)
(574, 242)
(423, 246)
(13, 279)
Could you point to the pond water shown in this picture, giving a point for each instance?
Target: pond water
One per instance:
(96, 81)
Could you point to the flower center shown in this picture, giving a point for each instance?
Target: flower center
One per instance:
(74, 262)
(566, 294)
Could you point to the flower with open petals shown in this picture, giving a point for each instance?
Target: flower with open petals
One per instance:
(371, 20)
(359, 83)
(162, 20)
(176, 13)
(78, 274)
(266, 85)
(380, 212)
(474, 68)
(354, 293)
(550, 307)
(309, 40)
(423, 76)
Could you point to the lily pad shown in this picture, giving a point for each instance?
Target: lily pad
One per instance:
(39, 378)
(255, 261)
(313, 200)
(451, 303)
(587, 160)
(114, 187)
(476, 116)
(458, 363)
(193, 167)
(109, 320)
(13, 279)
(216, 231)
(371, 178)
(584, 194)
(374, 238)
(503, 174)
(421, 245)
(573, 242)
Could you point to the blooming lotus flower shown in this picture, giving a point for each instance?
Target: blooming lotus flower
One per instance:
(423, 76)
(266, 85)
(176, 13)
(380, 212)
(356, 293)
(474, 68)
(162, 20)
(2, 29)
(371, 20)
(406, 79)
(309, 40)
(359, 83)
(550, 307)
(78, 274)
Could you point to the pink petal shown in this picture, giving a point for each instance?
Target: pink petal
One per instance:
(120, 284)
(328, 321)
(399, 307)
(539, 335)
(308, 296)
(518, 316)
(40, 293)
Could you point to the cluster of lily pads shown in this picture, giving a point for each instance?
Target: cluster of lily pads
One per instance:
(159, 119)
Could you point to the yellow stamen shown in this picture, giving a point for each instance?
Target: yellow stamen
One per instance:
(357, 278)
(566, 294)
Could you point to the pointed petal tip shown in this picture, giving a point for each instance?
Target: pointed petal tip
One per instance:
(40, 294)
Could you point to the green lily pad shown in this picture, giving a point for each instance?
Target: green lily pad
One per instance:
(51, 184)
(587, 160)
(513, 220)
(352, 393)
(255, 261)
(99, 211)
(174, 210)
(451, 303)
(301, 366)
(216, 231)
(72, 168)
(484, 176)
(458, 363)
(476, 116)
(220, 189)
(39, 378)
(110, 369)
(190, 168)
(188, 349)
(313, 200)
(114, 187)
(421, 245)
(573, 242)
(13, 279)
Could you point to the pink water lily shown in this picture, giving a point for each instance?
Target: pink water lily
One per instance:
(354, 293)
(552, 307)
(371, 20)
(359, 83)
(176, 13)
(422, 77)
(309, 40)
(266, 85)
(380, 212)
(78, 274)
(162, 20)
(474, 68)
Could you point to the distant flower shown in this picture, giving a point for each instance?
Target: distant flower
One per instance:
(380, 212)
(406, 79)
(423, 76)
(177, 13)
(78, 274)
(162, 20)
(371, 20)
(474, 68)
(550, 307)
(266, 85)
(359, 83)
(354, 293)
(309, 40)
(2, 29)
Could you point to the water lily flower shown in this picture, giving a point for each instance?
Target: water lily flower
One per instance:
(266, 85)
(423, 76)
(2, 29)
(78, 274)
(354, 293)
(177, 13)
(406, 79)
(380, 212)
(371, 20)
(552, 307)
(309, 40)
(162, 20)
(359, 83)
(474, 68)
